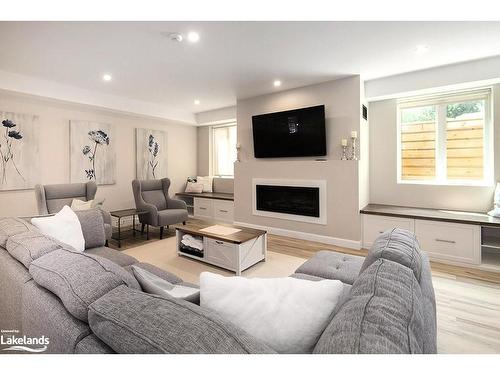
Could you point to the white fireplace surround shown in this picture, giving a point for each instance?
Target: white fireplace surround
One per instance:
(321, 184)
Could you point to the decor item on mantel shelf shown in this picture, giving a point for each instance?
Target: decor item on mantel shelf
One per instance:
(352, 154)
(354, 148)
(344, 149)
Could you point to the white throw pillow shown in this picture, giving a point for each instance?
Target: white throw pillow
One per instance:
(193, 187)
(287, 314)
(79, 205)
(63, 226)
(206, 182)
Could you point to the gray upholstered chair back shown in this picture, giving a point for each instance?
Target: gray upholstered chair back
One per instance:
(154, 192)
(52, 198)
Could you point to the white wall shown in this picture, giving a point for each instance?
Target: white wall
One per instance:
(384, 188)
(54, 150)
(216, 116)
(342, 102)
(455, 76)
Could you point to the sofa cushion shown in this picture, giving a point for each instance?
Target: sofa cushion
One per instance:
(79, 279)
(64, 226)
(172, 216)
(382, 315)
(10, 226)
(398, 245)
(115, 256)
(130, 321)
(153, 284)
(92, 224)
(333, 265)
(43, 314)
(288, 314)
(29, 246)
(165, 275)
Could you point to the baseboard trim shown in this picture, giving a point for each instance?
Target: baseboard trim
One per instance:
(350, 244)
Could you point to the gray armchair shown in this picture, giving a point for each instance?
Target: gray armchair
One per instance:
(52, 198)
(152, 196)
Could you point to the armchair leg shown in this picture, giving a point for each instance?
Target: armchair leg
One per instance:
(161, 233)
(142, 228)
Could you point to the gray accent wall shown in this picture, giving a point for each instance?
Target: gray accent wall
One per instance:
(342, 100)
(54, 117)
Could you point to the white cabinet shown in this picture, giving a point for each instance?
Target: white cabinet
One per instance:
(223, 210)
(215, 209)
(203, 208)
(375, 225)
(222, 254)
(445, 242)
(450, 241)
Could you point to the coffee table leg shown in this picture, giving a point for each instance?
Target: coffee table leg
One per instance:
(147, 232)
(119, 233)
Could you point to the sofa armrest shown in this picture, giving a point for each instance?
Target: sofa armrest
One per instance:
(106, 216)
(131, 321)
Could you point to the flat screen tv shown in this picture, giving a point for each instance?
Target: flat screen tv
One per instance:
(299, 132)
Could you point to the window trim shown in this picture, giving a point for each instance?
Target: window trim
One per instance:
(212, 148)
(440, 101)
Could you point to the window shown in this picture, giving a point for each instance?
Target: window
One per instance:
(224, 150)
(445, 139)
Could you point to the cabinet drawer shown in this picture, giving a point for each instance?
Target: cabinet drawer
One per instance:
(222, 253)
(224, 210)
(203, 207)
(375, 225)
(449, 241)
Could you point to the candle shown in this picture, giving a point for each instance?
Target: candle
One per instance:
(344, 142)
(354, 134)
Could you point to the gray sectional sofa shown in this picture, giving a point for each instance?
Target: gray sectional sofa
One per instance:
(90, 302)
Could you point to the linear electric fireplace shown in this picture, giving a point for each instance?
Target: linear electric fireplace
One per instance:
(290, 199)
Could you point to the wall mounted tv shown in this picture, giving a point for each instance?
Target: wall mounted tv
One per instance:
(299, 132)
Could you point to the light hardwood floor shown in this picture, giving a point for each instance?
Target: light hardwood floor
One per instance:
(468, 300)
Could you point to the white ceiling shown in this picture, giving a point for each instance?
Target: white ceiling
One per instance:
(232, 59)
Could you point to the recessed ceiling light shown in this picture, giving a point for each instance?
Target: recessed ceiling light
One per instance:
(277, 83)
(175, 37)
(193, 36)
(421, 48)
(196, 102)
(107, 77)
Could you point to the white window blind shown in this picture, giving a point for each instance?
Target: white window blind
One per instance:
(224, 150)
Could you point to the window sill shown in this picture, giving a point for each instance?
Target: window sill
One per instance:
(449, 183)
